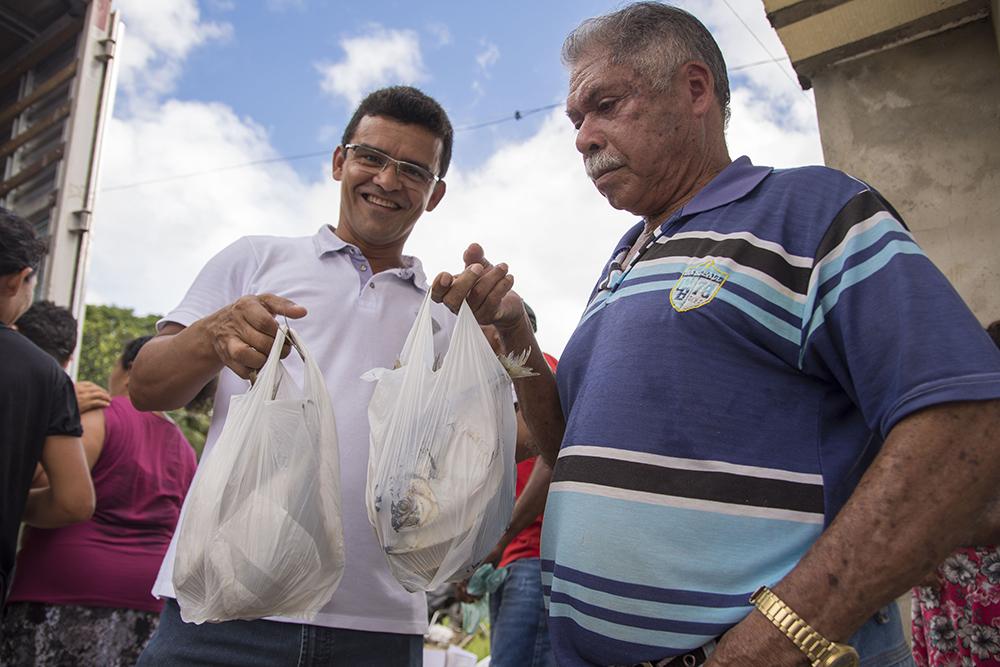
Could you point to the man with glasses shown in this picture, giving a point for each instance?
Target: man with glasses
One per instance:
(39, 420)
(353, 295)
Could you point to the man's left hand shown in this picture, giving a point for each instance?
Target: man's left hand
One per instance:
(755, 642)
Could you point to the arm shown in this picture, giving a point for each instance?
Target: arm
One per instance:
(907, 514)
(173, 367)
(69, 498)
(93, 443)
(529, 506)
(487, 289)
(987, 529)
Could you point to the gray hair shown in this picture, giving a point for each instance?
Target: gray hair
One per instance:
(654, 39)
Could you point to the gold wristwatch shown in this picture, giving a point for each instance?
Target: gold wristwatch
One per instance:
(821, 651)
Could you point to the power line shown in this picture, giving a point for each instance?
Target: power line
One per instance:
(767, 51)
(241, 165)
(759, 62)
(516, 116)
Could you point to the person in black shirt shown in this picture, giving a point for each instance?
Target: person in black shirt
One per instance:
(54, 329)
(39, 419)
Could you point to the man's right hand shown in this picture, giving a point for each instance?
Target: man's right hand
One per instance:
(243, 332)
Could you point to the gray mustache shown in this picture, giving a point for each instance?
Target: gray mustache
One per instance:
(598, 163)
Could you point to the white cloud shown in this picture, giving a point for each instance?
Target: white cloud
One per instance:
(158, 37)
(372, 60)
(488, 56)
(150, 241)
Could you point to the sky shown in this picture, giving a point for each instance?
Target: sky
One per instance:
(227, 112)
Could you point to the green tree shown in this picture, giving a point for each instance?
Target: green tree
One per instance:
(106, 329)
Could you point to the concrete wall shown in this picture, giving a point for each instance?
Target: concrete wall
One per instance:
(921, 122)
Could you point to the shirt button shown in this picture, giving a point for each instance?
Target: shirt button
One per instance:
(363, 267)
(372, 285)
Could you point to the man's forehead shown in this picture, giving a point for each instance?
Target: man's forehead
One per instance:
(404, 141)
(595, 77)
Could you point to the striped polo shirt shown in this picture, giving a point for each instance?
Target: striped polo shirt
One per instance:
(724, 393)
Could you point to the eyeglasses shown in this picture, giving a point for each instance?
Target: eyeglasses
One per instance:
(374, 161)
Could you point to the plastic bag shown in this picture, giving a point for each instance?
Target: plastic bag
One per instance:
(262, 532)
(484, 582)
(441, 472)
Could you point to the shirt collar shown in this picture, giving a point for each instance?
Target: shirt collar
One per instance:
(326, 241)
(733, 182)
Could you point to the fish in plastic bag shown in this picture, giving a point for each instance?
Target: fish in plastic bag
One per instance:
(441, 471)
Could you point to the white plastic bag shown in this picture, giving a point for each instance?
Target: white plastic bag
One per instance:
(261, 533)
(441, 472)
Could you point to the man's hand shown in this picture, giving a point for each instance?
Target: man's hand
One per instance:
(243, 332)
(755, 642)
(486, 288)
(177, 364)
(90, 396)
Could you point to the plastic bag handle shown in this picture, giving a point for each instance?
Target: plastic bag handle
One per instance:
(268, 375)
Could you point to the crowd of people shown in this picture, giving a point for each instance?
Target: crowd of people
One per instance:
(774, 417)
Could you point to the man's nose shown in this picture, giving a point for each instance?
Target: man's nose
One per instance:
(388, 178)
(589, 139)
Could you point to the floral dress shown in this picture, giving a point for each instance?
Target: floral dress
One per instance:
(957, 622)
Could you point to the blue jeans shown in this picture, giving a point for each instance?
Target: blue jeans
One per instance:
(264, 643)
(519, 632)
(881, 643)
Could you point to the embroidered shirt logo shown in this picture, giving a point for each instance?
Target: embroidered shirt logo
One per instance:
(697, 286)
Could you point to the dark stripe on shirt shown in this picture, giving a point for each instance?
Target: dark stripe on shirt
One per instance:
(795, 278)
(644, 591)
(861, 206)
(696, 484)
(637, 621)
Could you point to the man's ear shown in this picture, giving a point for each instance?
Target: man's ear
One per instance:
(700, 86)
(436, 196)
(338, 163)
(10, 284)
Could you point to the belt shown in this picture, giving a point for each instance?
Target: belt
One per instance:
(692, 659)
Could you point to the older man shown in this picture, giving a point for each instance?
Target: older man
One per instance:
(760, 392)
(354, 295)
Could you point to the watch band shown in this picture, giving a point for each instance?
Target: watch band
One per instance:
(804, 636)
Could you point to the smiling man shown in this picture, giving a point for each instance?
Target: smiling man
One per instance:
(354, 295)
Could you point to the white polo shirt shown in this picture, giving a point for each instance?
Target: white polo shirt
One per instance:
(356, 321)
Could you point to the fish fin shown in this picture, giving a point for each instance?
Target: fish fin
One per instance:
(515, 366)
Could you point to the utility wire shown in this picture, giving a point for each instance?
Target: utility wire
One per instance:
(768, 51)
(517, 115)
(759, 62)
(177, 177)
